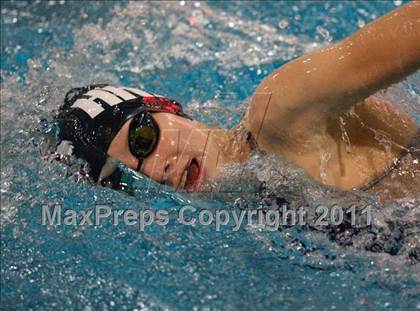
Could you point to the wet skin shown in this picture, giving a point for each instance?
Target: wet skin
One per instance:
(184, 146)
(308, 108)
(315, 110)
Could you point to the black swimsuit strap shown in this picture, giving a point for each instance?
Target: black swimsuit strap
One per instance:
(412, 149)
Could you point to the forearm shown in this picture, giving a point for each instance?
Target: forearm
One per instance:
(349, 71)
(311, 87)
(384, 52)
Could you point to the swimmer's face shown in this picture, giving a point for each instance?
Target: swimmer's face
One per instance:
(186, 155)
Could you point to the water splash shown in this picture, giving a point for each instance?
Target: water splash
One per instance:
(210, 57)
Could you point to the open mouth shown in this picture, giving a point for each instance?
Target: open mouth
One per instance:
(192, 175)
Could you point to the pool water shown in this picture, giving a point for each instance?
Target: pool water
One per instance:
(209, 56)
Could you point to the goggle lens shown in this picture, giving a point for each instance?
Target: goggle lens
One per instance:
(144, 135)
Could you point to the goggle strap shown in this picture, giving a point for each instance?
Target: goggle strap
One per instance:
(140, 163)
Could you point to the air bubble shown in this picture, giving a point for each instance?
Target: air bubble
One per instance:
(324, 33)
(283, 24)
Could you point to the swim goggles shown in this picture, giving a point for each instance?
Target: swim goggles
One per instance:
(143, 136)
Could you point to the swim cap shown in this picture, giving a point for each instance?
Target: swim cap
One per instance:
(91, 117)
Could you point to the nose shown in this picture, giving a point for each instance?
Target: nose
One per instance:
(166, 171)
(163, 180)
(163, 171)
(172, 172)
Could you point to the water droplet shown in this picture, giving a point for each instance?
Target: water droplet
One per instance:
(283, 24)
(397, 2)
(324, 33)
(361, 23)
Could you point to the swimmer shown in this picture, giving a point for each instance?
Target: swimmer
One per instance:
(315, 110)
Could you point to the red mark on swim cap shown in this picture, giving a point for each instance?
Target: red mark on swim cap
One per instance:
(164, 104)
(193, 20)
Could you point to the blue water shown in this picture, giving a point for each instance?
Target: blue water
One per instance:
(209, 56)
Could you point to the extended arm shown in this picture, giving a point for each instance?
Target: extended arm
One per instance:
(311, 87)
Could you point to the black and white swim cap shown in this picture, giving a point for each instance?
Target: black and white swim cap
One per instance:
(91, 117)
